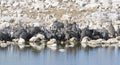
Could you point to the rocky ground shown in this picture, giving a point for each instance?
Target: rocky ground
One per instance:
(93, 13)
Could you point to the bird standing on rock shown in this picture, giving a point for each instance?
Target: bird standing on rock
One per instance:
(110, 29)
(118, 31)
(5, 35)
(104, 34)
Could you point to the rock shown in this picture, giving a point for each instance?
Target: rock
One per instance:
(62, 50)
(41, 36)
(21, 43)
(100, 40)
(81, 3)
(112, 41)
(118, 38)
(52, 41)
(52, 2)
(22, 46)
(113, 45)
(105, 45)
(37, 47)
(16, 4)
(110, 29)
(65, 0)
(36, 24)
(93, 43)
(4, 24)
(92, 6)
(37, 38)
(84, 41)
(33, 39)
(3, 45)
(73, 41)
(38, 5)
(43, 42)
(52, 44)
(66, 17)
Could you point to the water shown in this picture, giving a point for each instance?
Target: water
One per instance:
(72, 56)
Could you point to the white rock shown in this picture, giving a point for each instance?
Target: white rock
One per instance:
(52, 2)
(65, 0)
(100, 40)
(92, 5)
(41, 36)
(3, 45)
(3, 2)
(37, 47)
(114, 45)
(62, 50)
(71, 45)
(33, 39)
(16, 4)
(52, 46)
(5, 12)
(118, 38)
(21, 46)
(72, 41)
(36, 24)
(39, 5)
(117, 22)
(85, 41)
(94, 43)
(81, 3)
(4, 24)
(21, 41)
(84, 45)
(112, 41)
(19, 11)
(66, 17)
(52, 41)
(15, 40)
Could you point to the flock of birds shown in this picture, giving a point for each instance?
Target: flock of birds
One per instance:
(58, 31)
